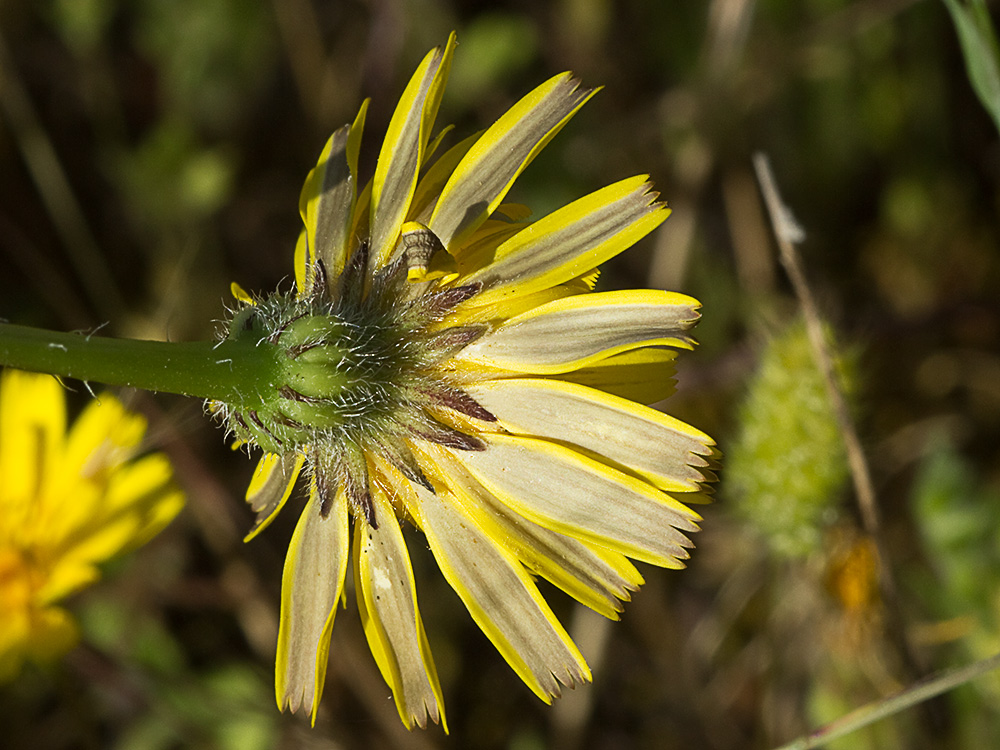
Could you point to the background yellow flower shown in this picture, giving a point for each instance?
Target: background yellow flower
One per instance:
(69, 500)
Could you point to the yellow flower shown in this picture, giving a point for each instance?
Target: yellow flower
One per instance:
(446, 363)
(68, 502)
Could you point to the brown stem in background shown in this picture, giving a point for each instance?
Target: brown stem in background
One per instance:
(787, 233)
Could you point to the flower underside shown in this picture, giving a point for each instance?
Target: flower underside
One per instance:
(445, 360)
(360, 374)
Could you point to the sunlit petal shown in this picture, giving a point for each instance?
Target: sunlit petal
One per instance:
(328, 196)
(482, 179)
(270, 487)
(311, 587)
(500, 596)
(387, 600)
(658, 447)
(402, 151)
(645, 375)
(559, 488)
(429, 188)
(577, 331)
(592, 575)
(570, 241)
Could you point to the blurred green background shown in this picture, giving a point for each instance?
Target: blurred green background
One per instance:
(152, 151)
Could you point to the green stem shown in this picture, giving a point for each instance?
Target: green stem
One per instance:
(226, 371)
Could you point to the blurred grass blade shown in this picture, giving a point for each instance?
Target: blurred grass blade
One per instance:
(924, 690)
(981, 51)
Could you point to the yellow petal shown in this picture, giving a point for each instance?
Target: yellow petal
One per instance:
(659, 448)
(328, 197)
(102, 437)
(574, 332)
(66, 577)
(563, 490)
(387, 600)
(240, 293)
(402, 151)
(311, 587)
(500, 595)
(32, 425)
(302, 261)
(590, 574)
(270, 488)
(571, 241)
(43, 635)
(482, 179)
(644, 375)
(430, 185)
(139, 500)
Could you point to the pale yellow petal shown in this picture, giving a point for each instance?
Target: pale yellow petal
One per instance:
(592, 575)
(270, 487)
(328, 197)
(102, 437)
(645, 375)
(430, 185)
(571, 241)
(482, 179)
(561, 489)
(402, 151)
(658, 447)
(499, 595)
(577, 331)
(311, 586)
(387, 600)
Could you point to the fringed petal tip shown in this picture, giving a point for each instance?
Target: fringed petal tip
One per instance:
(420, 716)
(569, 678)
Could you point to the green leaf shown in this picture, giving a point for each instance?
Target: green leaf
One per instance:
(981, 51)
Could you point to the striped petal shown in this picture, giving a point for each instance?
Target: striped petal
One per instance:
(402, 151)
(484, 176)
(644, 375)
(590, 574)
(328, 196)
(311, 587)
(571, 241)
(500, 595)
(574, 332)
(270, 487)
(430, 185)
(559, 488)
(657, 447)
(387, 600)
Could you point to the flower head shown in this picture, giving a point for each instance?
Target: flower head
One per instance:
(445, 362)
(68, 502)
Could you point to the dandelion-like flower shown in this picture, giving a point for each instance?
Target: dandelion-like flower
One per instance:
(68, 502)
(445, 362)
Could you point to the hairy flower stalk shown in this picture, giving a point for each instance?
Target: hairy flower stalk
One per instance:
(445, 362)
